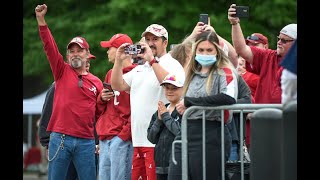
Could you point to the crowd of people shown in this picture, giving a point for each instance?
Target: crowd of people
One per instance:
(123, 127)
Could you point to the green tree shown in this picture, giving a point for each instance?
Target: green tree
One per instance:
(98, 20)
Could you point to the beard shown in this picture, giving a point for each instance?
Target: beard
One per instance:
(76, 62)
(280, 51)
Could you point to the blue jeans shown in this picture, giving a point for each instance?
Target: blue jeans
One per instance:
(72, 172)
(63, 149)
(234, 152)
(115, 159)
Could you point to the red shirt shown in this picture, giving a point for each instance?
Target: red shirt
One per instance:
(266, 65)
(252, 81)
(116, 119)
(74, 107)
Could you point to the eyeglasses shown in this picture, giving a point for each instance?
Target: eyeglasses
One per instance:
(80, 82)
(254, 38)
(284, 41)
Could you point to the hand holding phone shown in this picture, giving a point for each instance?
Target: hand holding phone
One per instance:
(242, 11)
(107, 86)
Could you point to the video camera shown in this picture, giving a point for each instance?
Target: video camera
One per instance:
(133, 49)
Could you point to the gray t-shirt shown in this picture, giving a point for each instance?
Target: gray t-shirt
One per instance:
(223, 81)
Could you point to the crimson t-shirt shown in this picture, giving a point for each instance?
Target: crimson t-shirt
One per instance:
(266, 63)
(74, 107)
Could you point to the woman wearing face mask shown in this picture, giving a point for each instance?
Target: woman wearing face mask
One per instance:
(210, 81)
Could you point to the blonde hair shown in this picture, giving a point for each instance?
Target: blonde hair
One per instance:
(222, 60)
(181, 51)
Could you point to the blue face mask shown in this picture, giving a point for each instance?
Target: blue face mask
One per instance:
(206, 60)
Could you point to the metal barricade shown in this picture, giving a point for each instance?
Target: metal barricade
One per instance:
(242, 108)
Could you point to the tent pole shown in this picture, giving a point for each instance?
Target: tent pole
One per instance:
(30, 131)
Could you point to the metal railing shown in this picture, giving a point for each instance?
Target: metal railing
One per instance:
(242, 108)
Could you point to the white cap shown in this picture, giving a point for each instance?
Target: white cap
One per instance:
(290, 30)
(156, 30)
(174, 80)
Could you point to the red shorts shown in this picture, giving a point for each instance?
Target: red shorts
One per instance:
(143, 165)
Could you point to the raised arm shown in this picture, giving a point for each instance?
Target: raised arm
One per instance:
(41, 11)
(198, 29)
(117, 81)
(238, 39)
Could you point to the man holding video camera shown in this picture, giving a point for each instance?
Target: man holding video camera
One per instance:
(143, 82)
(114, 125)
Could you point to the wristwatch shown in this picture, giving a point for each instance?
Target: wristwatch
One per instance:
(154, 60)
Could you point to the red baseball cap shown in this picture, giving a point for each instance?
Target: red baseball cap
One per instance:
(82, 42)
(116, 41)
(257, 38)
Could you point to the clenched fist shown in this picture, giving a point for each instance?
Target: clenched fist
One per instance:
(41, 11)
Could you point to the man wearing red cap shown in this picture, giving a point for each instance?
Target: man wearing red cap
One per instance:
(74, 107)
(258, 40)
(44, 136)
(143, 82)
(245, 70)
(114, 125)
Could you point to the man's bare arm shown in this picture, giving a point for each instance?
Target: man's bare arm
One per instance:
(238, 39)
(117, 81)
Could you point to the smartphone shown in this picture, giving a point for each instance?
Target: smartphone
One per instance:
(242, 11)
(204, 18)
(107, 86)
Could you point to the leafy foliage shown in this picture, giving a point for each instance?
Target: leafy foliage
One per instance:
(98, 20)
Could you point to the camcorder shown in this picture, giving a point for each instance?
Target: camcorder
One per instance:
(133, 49)
(242, 11)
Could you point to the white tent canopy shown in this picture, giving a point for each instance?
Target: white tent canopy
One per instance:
(34, 105)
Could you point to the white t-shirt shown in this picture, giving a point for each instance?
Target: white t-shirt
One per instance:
(145, 92)
(288, 86)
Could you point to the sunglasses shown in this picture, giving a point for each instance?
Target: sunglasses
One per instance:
(80, 82)
(284, 41)
(254, 38)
